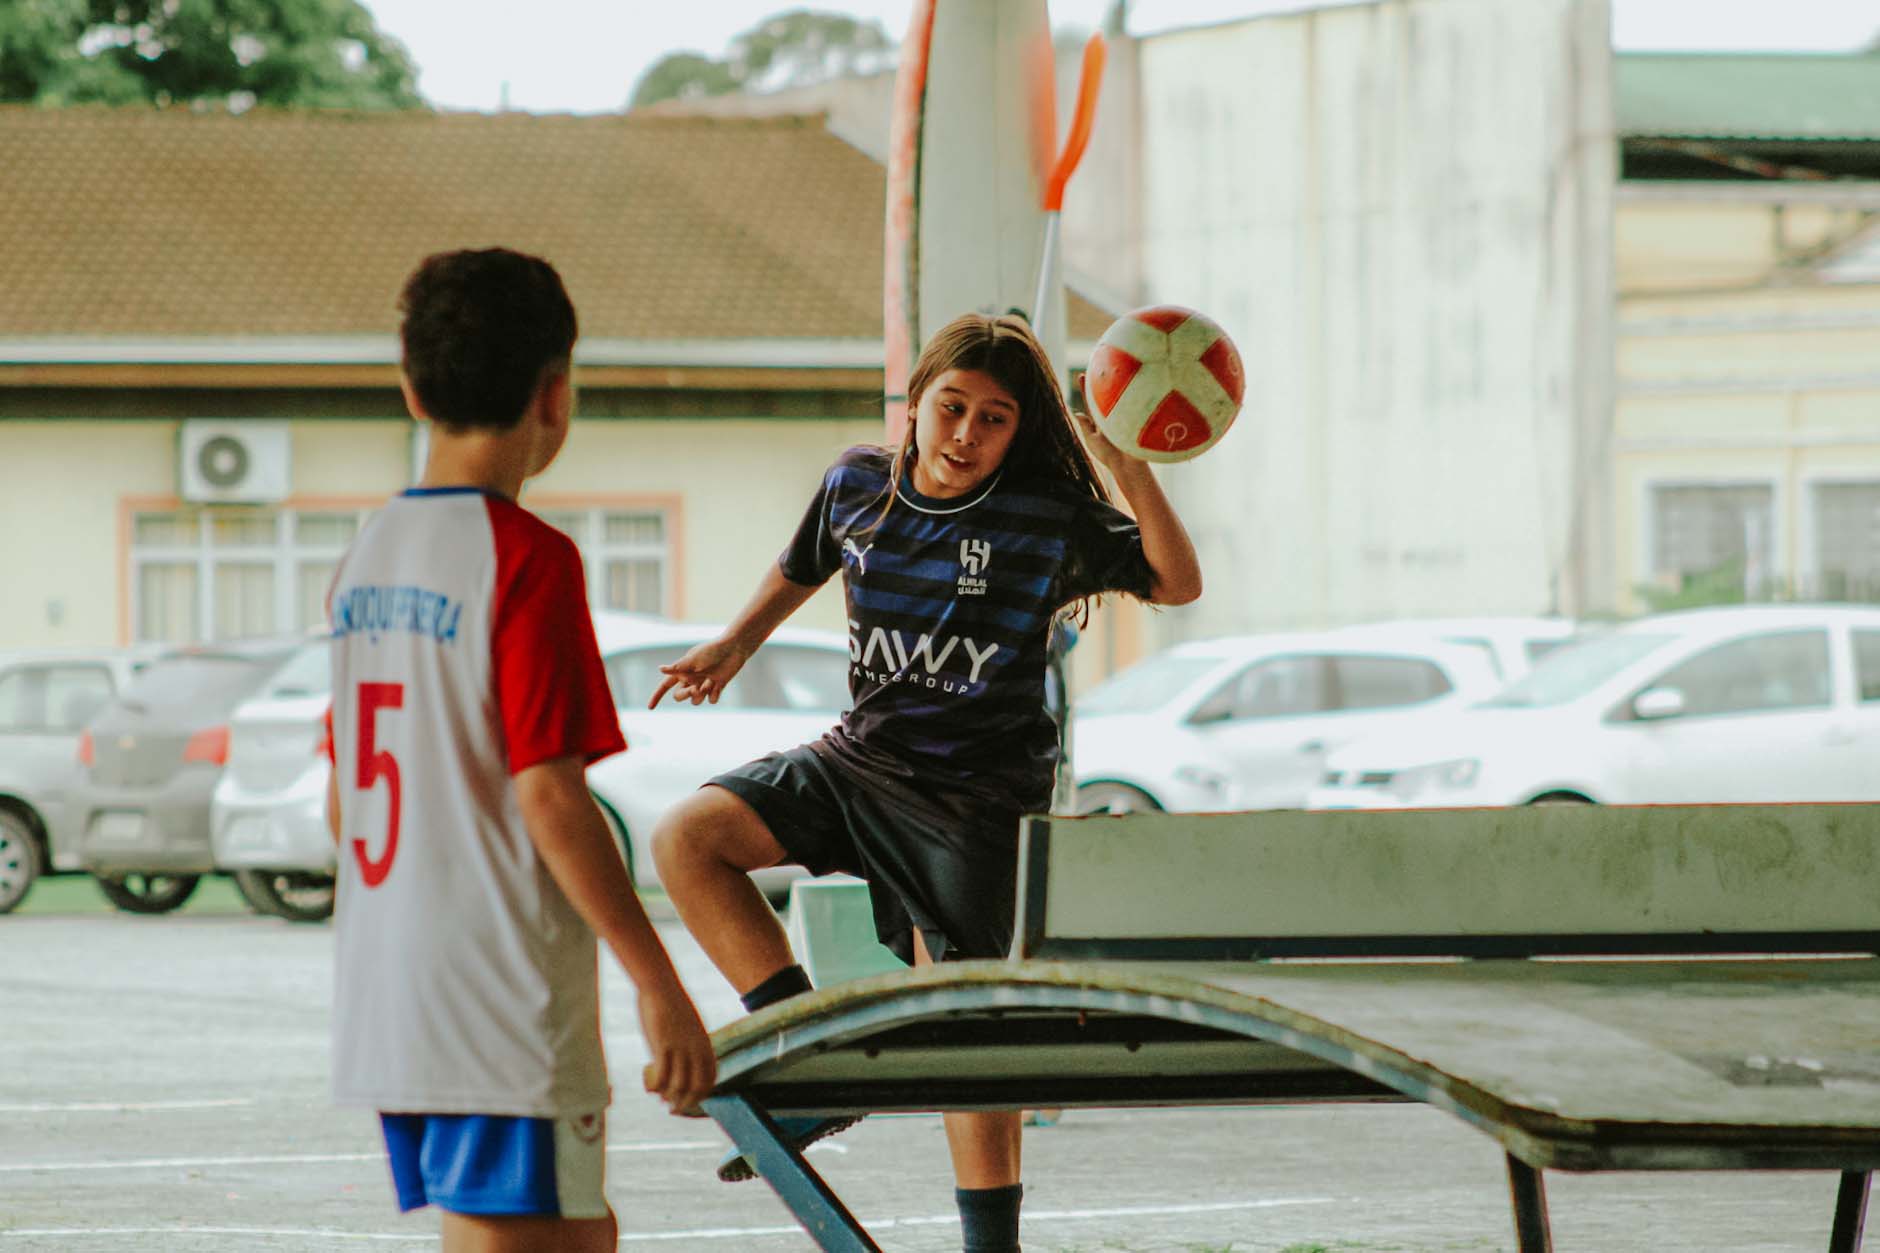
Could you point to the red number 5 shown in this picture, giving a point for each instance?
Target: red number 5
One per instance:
(375, 764)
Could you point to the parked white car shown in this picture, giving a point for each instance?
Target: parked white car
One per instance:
(1729, 705)
(1247, 722)
(1513, 644)
(268, 819)
(792, 691)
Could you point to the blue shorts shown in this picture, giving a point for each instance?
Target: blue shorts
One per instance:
(496, 1164)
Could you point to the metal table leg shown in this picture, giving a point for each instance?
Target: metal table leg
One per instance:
(1850, 1212)
(1530, 1207)
(795, 1182)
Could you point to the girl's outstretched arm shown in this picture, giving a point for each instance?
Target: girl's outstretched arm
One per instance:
(1165, 542)
(701, 675)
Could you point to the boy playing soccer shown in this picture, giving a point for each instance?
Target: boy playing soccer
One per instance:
(474, 869)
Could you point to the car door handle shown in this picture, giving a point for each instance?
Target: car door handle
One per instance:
(1312, 746)
(1839, 735)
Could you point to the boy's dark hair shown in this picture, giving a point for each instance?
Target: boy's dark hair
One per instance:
(481, 330)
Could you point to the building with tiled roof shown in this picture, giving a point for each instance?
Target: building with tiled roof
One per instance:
(171, 275)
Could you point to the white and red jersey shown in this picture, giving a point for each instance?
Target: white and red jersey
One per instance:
(463, 654)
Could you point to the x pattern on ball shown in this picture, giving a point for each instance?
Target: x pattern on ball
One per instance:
(1145, 385)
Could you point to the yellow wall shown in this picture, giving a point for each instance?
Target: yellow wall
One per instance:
(1735, 364)
(1664, 244)
(739, 486)
(744, 486)
(59, 523)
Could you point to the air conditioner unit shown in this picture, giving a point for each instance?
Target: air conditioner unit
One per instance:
(234, 462)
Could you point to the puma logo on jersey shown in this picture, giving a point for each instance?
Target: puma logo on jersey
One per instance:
(849, 548)
(975, 556)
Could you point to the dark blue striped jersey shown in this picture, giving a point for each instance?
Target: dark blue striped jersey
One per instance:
(950, 603)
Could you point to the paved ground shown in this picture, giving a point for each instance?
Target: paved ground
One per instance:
(163, 1086)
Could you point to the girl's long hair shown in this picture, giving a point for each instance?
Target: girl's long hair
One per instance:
(1047, 446)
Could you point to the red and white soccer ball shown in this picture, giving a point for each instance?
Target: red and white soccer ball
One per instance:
(1164, 383)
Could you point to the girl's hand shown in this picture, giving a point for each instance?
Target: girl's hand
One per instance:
(701, 675)
(1108, 455)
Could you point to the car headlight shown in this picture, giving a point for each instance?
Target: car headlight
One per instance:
(1440, 776)
(1202, 777)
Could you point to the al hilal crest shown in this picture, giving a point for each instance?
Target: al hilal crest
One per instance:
(975, 556)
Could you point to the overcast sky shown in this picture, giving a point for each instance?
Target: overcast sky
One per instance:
(584, 55)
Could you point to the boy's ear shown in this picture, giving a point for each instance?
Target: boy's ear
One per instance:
(413, 405)
(558, 395)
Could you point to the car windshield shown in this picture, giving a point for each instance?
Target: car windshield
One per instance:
(1144, 686)
(209, 683)
(308, 672)
(1571, 672)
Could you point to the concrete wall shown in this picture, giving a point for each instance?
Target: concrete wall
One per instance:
(1402, 213)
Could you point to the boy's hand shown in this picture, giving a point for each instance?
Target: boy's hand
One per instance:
(683, 1067)
(701, 675)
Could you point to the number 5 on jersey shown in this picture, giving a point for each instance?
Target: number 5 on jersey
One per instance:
(374, 764)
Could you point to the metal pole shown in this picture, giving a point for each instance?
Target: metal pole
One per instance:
(1850, 1212)
(1530, 1207)
(797, 1185)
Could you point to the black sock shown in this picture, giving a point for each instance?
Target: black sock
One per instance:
(989, 1218)
(780, 986)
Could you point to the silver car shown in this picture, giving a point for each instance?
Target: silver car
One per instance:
(139, 812)
(46, 698)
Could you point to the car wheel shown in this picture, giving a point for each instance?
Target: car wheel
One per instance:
(290, 894)
(1560, 798)
(256, 903)
(19, 859)
(139, 893)
(1115, 798)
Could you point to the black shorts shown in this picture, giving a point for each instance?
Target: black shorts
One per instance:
(945, 865)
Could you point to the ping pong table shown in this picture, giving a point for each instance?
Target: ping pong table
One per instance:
(1598, 989)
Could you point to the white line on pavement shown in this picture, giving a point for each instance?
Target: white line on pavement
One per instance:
(697, 1233)
(301, 1159)
(123, 1107)
(90, 1233)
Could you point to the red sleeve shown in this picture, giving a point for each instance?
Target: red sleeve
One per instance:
(551, 690)
(326, 737)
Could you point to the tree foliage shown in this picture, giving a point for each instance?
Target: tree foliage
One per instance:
(219, 53)
(793, 49)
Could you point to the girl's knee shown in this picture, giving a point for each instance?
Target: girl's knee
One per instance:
(711, 826)
(680, 834)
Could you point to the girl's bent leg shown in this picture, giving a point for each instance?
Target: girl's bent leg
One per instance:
(705, 848)
(477, 1233)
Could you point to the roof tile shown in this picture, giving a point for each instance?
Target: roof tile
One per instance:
(176, 223)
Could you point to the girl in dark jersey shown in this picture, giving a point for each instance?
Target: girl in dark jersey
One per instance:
(957, 550)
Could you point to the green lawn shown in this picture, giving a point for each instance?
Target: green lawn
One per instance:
(77, 894)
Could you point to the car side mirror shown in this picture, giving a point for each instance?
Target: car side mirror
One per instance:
(1658, 703)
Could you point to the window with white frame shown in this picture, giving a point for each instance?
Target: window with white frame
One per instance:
(1847, 541)
(224, 573)
(626, 553)
(1719, 531)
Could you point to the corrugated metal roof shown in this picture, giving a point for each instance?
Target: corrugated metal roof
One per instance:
(1769, 96)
